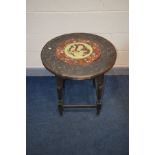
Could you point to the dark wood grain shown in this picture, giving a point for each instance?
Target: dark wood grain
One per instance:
(79, 72)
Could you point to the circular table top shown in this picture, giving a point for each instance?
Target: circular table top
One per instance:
(78, 56)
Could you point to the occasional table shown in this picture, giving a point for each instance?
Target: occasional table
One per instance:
(79, 56)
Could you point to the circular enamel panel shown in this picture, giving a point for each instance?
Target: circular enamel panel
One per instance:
(79, 51)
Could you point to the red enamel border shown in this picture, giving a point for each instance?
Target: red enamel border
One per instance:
(60, 54)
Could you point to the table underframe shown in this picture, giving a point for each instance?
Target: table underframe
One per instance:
(98, 84)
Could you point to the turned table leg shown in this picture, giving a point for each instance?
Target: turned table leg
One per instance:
(98, 82)
(99, 87)
(94, 83)
(60, 85)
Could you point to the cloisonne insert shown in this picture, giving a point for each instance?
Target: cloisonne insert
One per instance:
(78, 51)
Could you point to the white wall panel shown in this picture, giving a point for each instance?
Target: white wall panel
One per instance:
(48, 23)
(122, 59)
(75, 5)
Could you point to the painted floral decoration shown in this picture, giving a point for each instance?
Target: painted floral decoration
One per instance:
(78, 51)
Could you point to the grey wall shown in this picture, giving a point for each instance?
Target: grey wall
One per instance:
(49, 18)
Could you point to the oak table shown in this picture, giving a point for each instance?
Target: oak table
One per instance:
(79, 56)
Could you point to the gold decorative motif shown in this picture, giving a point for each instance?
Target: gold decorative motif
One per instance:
(78, 51)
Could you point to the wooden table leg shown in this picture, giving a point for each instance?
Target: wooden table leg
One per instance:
(94, 83)
(60, 85)
(99, 87)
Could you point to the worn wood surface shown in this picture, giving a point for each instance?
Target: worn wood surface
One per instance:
(79, 72)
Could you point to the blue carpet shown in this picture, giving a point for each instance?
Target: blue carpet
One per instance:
(77, 132)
